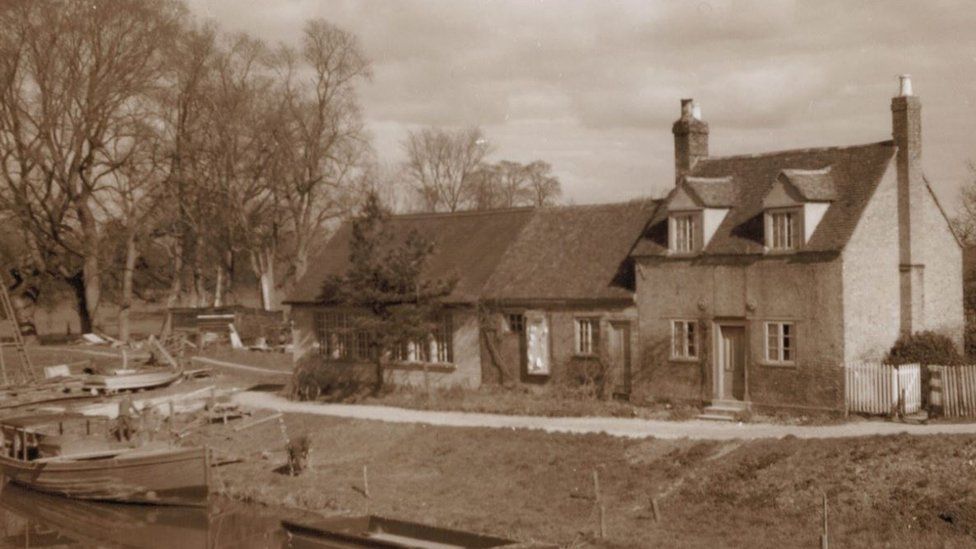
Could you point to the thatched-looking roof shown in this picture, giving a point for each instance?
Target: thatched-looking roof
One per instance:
(569, 253)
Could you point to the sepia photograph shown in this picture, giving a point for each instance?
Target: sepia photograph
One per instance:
(433, 274)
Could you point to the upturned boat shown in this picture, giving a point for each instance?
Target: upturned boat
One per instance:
(64, 454)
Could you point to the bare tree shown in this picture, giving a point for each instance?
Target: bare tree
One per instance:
(322, 147)
(964, 223)
(543, 187)
(73, 74)
(441, 164)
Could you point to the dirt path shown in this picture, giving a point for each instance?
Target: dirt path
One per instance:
(621, 427)
(235, 366)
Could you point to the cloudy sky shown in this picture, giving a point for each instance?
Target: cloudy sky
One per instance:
(592, 87)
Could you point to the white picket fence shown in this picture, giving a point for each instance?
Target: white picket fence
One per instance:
(874, 388)
(958, 390)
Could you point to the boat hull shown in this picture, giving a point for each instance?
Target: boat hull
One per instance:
(165, 477)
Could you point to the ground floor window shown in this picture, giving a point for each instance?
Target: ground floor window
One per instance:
(587, 336)
(684, 339)
(437, 347)
(337, 338)
(780, 342)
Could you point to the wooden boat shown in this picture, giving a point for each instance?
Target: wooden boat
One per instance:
(379, 532)
(61, 454)
(129, 380)
(96, 524)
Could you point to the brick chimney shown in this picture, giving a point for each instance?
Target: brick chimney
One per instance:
(690, 139)
(906, 129)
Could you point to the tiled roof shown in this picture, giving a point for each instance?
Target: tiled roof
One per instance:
(573, 253)
(813, 185)
(563, 253)
(712, 192)
(855, 173)
(467, 247)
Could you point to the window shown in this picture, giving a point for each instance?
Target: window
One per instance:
(587, 336)
(782, 231)
(683, 233)
(780, 342)
(684, 339)
(338, 338)
(437, 347)
(516, 323)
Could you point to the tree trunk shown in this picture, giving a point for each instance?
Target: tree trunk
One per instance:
(267, 289)
(125, 304)
(175, 289)
(91, 272)
(23, 299)
(301, 258)
(378, 370)
(263, 263)
(77, 283)
(199, 291)
(219, 287)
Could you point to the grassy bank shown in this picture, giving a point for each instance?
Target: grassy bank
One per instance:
(901, 491)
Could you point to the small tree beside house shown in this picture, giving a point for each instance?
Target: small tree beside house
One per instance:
(396, 306)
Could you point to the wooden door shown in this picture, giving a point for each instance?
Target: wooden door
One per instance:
(731, 362)
(618, 351)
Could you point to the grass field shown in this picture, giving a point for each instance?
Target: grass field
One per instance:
(896, 491)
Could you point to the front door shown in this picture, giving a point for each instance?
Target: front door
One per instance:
(618, 349)
(731, 362)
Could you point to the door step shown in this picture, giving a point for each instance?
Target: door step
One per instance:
(724, 410)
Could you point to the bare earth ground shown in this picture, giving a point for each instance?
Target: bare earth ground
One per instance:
(895, 491)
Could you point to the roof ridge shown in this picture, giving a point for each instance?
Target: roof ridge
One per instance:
(887, 142)
(603, 205)
(463, 213)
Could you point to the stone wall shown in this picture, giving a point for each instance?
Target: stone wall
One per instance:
(801, 288)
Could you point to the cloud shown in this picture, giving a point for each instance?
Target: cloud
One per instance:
(572, 81)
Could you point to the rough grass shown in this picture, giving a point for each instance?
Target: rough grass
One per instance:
(898, 491)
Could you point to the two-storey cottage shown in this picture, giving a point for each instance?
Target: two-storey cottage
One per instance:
(761, 275)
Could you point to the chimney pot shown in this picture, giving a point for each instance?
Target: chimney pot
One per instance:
(687, 105)
(905, 85)
(696, 111)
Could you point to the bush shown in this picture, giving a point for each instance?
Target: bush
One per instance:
(315, 378)
(924, 348)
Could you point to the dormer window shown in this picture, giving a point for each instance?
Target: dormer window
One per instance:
(782, 234)
(683, 233)
(794, 207)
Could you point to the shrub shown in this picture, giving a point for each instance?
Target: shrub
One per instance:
(314, 378)
(924, 348)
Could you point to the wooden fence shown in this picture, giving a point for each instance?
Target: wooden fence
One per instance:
(958, 390)
(874, 388)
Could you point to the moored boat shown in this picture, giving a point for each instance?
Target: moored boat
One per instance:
(67, 462)
(380, 532)
(130, 380)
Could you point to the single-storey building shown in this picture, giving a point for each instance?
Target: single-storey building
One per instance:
(761, 275)
(541, 295)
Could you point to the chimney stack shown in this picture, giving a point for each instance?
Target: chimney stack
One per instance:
(906, 130)
(690, 139)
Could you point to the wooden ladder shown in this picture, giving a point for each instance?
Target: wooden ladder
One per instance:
(9, 316)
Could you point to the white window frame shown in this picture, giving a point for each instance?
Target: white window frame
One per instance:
(684, 347)
(587, 330)
(783, 347)
(683, 231)
(784, 230)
